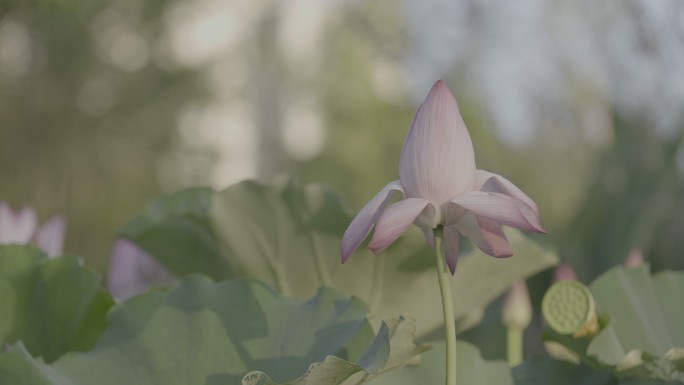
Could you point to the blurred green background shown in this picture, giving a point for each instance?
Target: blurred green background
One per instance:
(106, 104)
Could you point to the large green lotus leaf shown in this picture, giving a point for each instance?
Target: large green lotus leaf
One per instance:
(641, 337)
(53, 306)
(471, 369)
(643, 369)
(646, 312)
(480, 279)
(176, 229)
(290, 237)
(543, 370)
(392, 347)
(19, 257)
(215, 333)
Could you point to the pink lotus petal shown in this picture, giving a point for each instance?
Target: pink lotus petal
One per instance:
(361, 226)
(501, 208)
(19, 227)
(528, 212)
(395, 220)
(25, 224)
(452, 240)
(564, 272)
(437, 161)
(486, 234)
(494, 238)
(634, 259)
(429, 235)
(489, 182)
(132, 271)
(50, 236)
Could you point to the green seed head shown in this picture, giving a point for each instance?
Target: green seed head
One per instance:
(568, 307)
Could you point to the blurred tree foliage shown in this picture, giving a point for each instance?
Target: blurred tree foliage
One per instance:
(365, 132)
(87, 120)
(78, 134)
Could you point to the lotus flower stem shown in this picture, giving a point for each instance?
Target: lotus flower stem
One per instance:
(319, 260)
(515, 346)
(378, 273)
(443, 276)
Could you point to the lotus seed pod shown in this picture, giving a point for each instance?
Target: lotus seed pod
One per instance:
(569, 308)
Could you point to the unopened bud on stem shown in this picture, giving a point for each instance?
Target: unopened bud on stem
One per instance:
(517, 315)
(517, 310)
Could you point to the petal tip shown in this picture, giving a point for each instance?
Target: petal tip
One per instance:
(440, 88)
(345, 253)
(366, 219)
(452, 266)
(441, 85)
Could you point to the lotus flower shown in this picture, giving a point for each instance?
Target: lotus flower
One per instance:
(442, 189)
(132, 271)
(634, 259)
(22, 228)
(564, 272)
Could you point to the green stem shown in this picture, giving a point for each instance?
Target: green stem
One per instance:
(515, 346)
(443, 277)
(319, 260)
(378, 272)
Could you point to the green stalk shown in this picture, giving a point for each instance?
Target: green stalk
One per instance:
(443, 277)
(319, 261)
(378, 273)
(515, 346)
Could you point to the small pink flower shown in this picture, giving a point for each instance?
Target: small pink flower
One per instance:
(564, 272)
(132, 271)
(21, 227)
(441, 187)
(634, 259)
